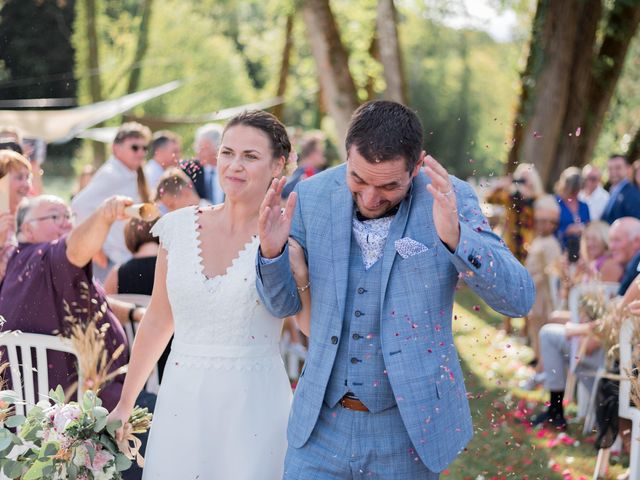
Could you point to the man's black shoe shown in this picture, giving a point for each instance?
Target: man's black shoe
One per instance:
(556, 421)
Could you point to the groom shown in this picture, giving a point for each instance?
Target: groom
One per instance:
(382, 393)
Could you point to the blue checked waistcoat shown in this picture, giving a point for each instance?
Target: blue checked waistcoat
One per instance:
(415, 301)
(359, 365)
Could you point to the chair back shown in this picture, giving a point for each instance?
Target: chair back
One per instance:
(21, 348)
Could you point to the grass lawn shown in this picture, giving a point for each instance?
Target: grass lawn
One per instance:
(503, 447)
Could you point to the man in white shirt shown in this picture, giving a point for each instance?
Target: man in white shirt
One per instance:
(206, 145)
(165, 153)
(592, 193)
(121, 174)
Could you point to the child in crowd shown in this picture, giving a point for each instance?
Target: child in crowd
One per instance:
(544, 252)
(175, 191)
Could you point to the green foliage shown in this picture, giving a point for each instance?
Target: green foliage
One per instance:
(35, 49)
(464, 86)
(623, 118)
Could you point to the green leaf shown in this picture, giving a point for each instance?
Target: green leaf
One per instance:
(15, 421)
(5, 438)
(113, 426)
(36, 471)
(12, 469)
(72, 471)
(57, 395)
(91, 451)
(50, 449)
(100, 424)
(122, 462)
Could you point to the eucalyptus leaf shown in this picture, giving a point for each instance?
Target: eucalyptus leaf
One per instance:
(12, 469)
(72, 471)
(122, 462)
(113, 426)
(36, 471)
(91, 451)
(50, 449)
(101, 422)
(57, 395)
(15, 421)
(6, 438)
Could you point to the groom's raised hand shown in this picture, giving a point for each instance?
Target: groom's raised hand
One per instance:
(274, 224)
(445, 208)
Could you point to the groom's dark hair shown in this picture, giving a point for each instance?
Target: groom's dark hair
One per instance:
(382, 130)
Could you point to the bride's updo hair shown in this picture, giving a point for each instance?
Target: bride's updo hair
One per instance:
(270, 125)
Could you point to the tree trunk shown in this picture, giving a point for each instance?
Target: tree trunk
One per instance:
(141, 49)
(93, 66)
(390, 54)
(332, 63)
(549, 101)
(579, 87)
(374, 52)
(278, 110)
(633, 153)
(527, 82)
(621, 27)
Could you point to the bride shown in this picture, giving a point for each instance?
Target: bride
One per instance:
(224, 401)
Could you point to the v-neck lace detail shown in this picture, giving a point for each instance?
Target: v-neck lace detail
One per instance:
(222, 310)
(200, 259)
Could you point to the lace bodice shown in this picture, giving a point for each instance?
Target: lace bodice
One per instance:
(222, 314)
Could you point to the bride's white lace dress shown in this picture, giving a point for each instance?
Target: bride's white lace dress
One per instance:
(224, 401)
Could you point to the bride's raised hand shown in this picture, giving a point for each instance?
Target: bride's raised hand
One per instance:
(274, 223)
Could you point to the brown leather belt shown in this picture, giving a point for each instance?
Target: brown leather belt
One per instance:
(351, 403)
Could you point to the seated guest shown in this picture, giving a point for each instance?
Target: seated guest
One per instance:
(555, 345)
(135, 275)
(593, 193)
(51, 268)
(574, 214)
(544, 252)
(165, 153)
(18, 168)
(635, 174)
(624, 200)
(310, 161)
(175, 190)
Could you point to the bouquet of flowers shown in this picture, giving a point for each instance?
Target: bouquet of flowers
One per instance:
(68, 440)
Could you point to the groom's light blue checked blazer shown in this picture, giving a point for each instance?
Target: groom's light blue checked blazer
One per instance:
(416, 299)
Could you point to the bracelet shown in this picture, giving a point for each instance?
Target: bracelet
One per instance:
(305, 288)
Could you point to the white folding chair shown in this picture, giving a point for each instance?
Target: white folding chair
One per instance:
(585, 398)
(293, 355)
(23, 380)
(153, 382)
(625, 409)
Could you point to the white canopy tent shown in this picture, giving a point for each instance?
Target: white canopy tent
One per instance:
(61, 125)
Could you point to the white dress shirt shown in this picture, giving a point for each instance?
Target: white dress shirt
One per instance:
(112, 178)
(597, 201)
(153, 171)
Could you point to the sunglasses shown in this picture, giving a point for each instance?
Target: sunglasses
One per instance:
(137, 148)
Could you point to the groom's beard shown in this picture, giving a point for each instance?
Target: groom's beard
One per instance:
(387, 213)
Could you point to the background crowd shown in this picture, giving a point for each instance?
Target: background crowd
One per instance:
(71, 259)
